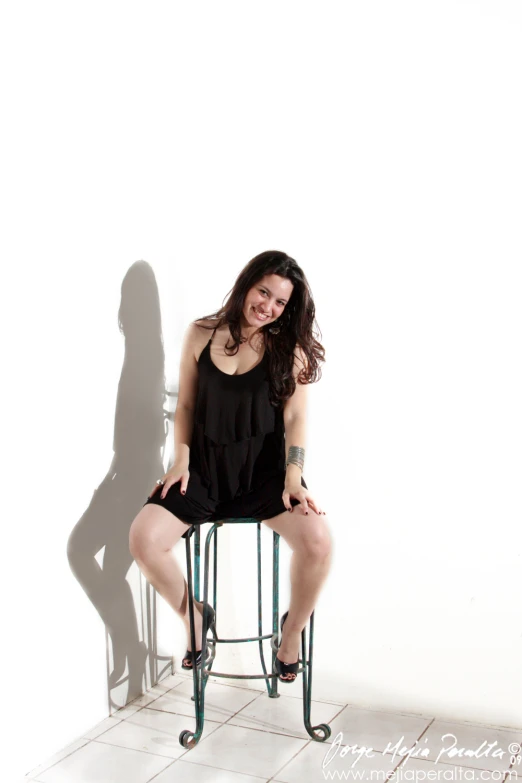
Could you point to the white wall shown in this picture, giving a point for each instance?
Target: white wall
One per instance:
(377, 143)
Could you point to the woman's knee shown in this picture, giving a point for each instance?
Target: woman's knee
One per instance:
(154, 530)
(316, 541)
(140, 538)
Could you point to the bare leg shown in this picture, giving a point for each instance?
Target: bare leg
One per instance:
(309, 538)
(153, 534)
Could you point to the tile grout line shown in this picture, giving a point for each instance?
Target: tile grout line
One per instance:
(258, 694)
(307, 740)
(137, 750)
(290, 760)
(325, 744)
(210, 766)
(87, 741)
(149, 753)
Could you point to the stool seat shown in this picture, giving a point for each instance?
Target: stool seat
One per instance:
(189, 739)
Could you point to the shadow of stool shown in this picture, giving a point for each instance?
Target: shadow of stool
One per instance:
(189, 739)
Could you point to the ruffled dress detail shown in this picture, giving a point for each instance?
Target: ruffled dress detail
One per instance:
(238, 440)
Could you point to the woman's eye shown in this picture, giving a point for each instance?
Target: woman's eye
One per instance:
(265, 292)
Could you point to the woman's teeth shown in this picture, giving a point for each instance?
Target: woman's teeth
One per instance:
(259, 315)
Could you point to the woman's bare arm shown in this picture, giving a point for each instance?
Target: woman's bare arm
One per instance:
(188, 383)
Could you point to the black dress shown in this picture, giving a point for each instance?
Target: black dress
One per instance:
(237, 450)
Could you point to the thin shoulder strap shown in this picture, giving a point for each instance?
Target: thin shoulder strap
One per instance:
(213, 333)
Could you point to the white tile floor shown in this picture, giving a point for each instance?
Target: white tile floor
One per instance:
(248, 737)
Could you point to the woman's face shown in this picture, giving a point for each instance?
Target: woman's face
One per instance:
(266, 300)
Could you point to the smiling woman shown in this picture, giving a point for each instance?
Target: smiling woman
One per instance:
(240, 437)
(271, 306)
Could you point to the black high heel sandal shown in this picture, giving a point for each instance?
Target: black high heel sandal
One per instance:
(210, 614)
(286, 668)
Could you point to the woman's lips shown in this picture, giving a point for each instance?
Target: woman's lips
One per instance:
(261, 317)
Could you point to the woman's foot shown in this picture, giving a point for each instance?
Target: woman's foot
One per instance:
(186, 663)
(288, 651)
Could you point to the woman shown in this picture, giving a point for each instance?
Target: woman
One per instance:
(239, 437)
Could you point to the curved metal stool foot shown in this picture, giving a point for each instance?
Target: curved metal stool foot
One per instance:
(322, 731)
(324, 728)
(187, 739)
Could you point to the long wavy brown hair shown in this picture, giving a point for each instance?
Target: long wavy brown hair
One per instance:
(296, 325)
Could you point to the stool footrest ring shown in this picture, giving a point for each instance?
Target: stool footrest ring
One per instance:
(247, 639)
(247, 676)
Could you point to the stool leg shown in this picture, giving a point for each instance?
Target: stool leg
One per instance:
(272, 690)
(207, 663)
(187, 738)
(268, 680)
(214, 586)
(322, 731)
(197, 548)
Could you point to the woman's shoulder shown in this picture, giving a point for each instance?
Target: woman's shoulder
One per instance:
(200, 332)
(205, 323)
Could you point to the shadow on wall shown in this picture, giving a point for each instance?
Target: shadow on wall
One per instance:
(140, 429)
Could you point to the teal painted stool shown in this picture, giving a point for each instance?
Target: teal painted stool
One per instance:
(189, 739)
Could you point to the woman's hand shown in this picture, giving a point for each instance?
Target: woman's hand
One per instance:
(294, 489)
(179, 471)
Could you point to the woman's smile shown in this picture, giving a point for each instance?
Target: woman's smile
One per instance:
(259, 314)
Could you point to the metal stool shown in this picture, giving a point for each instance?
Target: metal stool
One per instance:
(189, 739)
